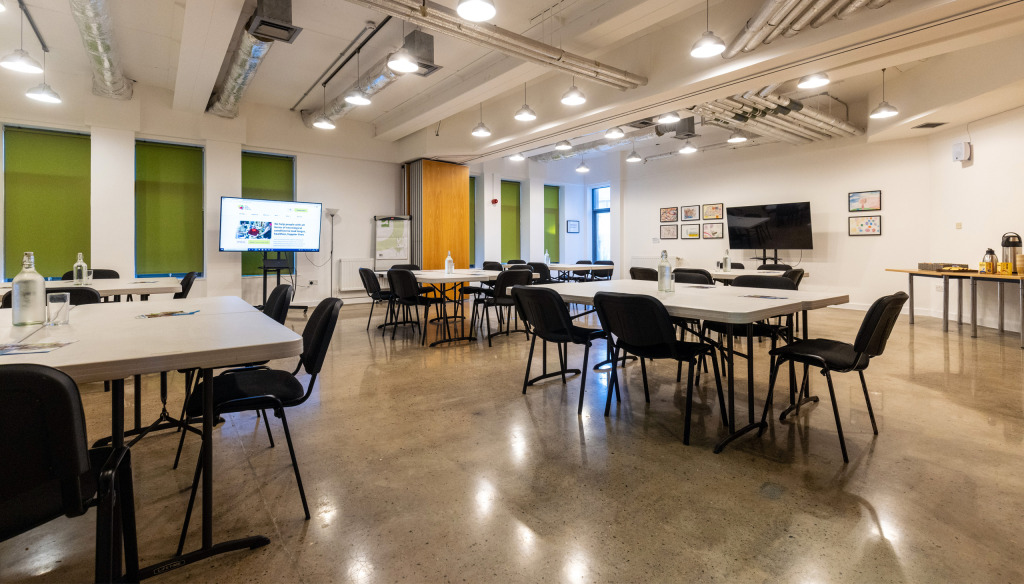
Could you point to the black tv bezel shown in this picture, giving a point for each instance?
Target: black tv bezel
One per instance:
(730, 209)
(220, 227)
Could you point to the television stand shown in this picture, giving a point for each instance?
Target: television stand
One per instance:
(764, 257)
(276, 265)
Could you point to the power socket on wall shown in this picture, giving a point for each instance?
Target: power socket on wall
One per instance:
(314, 283)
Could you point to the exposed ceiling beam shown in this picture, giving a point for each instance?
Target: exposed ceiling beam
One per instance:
(206, 34)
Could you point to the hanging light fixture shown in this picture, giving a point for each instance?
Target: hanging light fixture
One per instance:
(322, 121)
(481, 131)
(736, 138)
(813, 81)
(583, 167)
(574, 96)
(20, 60)
(517, 157)
(401, 61)
(633, 156)
(884, 110)
(614, 133)
(476, 10)
(708, 45)
(43, 92)
(357, 96)
(3, 5)
(525, 114)
(688, 148)
(669, 118)
(563, 145)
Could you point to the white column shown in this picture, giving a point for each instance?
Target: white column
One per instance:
(532, 201)
(113, 200)
(223, 179)
(488, 214)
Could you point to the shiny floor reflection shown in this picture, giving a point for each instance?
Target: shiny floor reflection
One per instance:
(429, 465)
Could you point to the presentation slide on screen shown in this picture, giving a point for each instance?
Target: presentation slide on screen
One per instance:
(254, 225)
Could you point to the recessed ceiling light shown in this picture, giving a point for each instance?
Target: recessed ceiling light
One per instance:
(614, 133)
(476, 10)
(812, 81)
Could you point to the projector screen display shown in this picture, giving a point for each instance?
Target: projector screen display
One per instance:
(257, 225)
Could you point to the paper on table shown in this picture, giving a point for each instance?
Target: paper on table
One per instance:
(167, 313)
(764, 297)
(27, 348)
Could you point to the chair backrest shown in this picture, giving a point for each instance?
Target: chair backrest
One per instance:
(603, 274)
(78, 295)
(583, 273)
(521, 267)
(773, 282)
(278, 302)
(877, 324)
(414, 267)
(186, 285)
(776, 267)
(691, 278)
(316, 337)
(796, 275)
(542, 269)
(509, 278)
(493, 266)
(515, 262)
(545, 311)
(97, 274)
(636, 320)
(370, 283)
(42, 446)
(705, 273)
(736, 266)
(649, 274)
(403, 284)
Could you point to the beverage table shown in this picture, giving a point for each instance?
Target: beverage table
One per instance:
(118, 286)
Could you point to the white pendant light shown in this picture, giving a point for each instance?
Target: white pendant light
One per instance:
(884, 109)
(20, 60)
(563, 145)
(3, 5)
(708, 45)
(401, 61)
(476, 10)
(614, 133)
(356, 96)
(574, 96)
(525, 113)
(633, 156)
(669, 118)
(736, 138)
(322, 121)
(813, 81)
(688, 148)
(517, 157)
(481, 130)
(583, 167)
(43, 92)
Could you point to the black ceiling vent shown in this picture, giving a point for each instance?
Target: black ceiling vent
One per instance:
(642, 124)
(928, 125)
(273, 21)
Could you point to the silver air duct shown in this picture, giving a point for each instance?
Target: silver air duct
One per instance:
(246, 60)
(432, 16)
(97, 35)
(374, 80)
(601, 145)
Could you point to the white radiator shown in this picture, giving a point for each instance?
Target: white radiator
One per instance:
(652, 261)
(348, 273)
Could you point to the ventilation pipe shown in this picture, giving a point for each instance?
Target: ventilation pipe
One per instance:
(97, 35)
(597, 146)
(432, 16)
(246, 60)
(374, 80)
(788, 17)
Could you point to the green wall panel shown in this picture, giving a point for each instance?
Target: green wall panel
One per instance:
(551, 222)
(270, 178)
(472, 221)
(168, 209)
(510, 217)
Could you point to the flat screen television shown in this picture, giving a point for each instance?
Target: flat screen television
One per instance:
(258, 225)
(779, 226)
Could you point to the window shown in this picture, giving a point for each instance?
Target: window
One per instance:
(551, 221)
(472, 221)
(168, 209)
(269, 177)
(510, 226)
(47, 185)
(602, 224)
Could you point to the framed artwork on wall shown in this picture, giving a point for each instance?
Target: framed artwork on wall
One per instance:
(713, 211)
(691, 232)
(572, 226)
(865, 201)
(670, 231)
(669, 214)
(866, 225)
(689, 213)
(713, 231)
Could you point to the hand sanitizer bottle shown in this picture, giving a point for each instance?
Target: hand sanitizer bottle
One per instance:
(78, 271)
(666, 281)
(449, 264)
(28, 298)
(726, 264)
(547, 258)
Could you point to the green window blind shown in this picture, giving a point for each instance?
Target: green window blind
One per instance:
(551, 221)
(47, 185)
(472, 221)
(168, 209)
(510, 249)
(268, 177)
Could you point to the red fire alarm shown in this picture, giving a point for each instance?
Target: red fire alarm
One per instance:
(494, 201)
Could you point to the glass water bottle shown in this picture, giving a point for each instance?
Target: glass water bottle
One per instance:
(666, 281)
(726, 262)
(79, 270)
(449, 264)
(28, 297)
(547, 258)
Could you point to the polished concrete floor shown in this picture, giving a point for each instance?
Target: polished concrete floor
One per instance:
(429, 465)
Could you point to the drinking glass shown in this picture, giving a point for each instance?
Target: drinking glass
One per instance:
(58, 308)
(88, 276)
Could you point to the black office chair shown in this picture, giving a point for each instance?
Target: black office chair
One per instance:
(406, 292)
(797, 275)
(278, 303)
(649, 274)
(372, 287)
(776, 267)
(524, 267)
(484, 288)
(603, 274)
(503, 303)
(641, 326)
(707, 275)
(186, 285)
(543, 273)
(414, 268)
(736, 266)
(493, 266)
(546, 316)
(579, 275)
(260, 388)
(515, 262)
(50, 470)
(837, 356)
(77, 294)
(98, 274)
